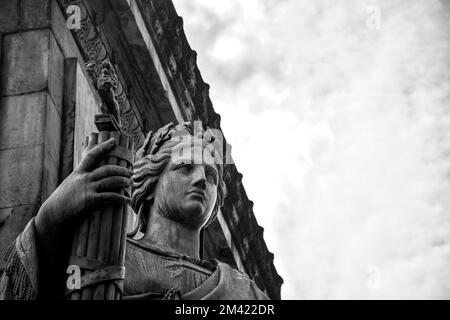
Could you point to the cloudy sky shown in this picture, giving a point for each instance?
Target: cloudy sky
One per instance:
(339, 116)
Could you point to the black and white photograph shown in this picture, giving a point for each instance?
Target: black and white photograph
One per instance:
(244, 150)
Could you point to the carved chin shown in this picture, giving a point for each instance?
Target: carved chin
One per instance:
(192, 214)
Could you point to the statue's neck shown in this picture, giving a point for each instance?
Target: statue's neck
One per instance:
(172, 235)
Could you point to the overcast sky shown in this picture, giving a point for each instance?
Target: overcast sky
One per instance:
(339, 116)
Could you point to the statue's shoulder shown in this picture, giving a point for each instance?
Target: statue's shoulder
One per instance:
(235, 273)
(238, 284)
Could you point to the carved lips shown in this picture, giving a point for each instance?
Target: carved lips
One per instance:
(198, 193)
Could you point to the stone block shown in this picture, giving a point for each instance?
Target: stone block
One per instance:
(25, 62)
(22, 120)
(21, 175)
(32, 62)
(9, 15)
(35, 14)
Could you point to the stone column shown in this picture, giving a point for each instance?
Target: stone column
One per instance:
(31, 89)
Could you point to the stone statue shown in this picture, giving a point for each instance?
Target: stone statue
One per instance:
(106, 84)
(176, 194)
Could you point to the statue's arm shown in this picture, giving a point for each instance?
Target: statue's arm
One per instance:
(20, 277)
(40, 252)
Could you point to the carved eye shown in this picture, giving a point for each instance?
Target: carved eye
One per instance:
(184, 167)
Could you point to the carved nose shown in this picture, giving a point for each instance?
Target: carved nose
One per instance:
(199, 177)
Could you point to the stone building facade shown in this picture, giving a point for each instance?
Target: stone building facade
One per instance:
(48, 99)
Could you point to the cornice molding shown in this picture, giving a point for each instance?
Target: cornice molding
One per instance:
(95, 53)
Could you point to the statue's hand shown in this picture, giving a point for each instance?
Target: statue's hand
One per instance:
(87, 187)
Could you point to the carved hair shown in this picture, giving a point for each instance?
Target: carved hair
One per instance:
(151, 161)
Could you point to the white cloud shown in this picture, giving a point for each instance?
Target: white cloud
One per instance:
(227, 49)
(348, 129)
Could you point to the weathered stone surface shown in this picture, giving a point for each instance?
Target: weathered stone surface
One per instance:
(35, 14)
(52, 149)
(17, 218)
(1, 55)
(28, 122)
(22, 120)
(87, 106)
(4, 214)
(32, 62)
(20, 176)
(25, 62)
(68, 117)
(50, 176)
(62, 34)
(56, 73)
(9, 15)
(52, 129)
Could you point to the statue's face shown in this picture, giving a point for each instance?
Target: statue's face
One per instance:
(186, 191)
